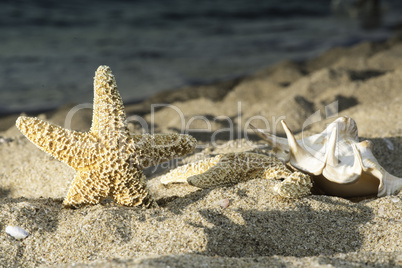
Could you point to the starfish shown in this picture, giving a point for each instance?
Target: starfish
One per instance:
(108, 160)
(232, 168)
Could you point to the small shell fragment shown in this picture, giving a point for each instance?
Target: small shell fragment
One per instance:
(390, 145)
(224, 203)
(381, 212)
(16, 232)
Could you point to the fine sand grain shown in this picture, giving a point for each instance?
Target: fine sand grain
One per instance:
(191, 228)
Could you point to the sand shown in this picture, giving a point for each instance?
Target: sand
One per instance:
(190, 228)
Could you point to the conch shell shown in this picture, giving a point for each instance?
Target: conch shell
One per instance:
(340, 164)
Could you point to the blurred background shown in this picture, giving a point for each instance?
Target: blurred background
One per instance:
(49, 50)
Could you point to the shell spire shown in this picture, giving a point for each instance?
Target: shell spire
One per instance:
(298, 155)
(280, 145)
(337, 169)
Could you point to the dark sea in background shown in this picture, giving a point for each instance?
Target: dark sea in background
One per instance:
(49, 50)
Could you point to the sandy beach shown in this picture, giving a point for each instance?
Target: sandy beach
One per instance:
(191, 228)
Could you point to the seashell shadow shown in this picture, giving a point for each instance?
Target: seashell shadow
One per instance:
(293, 232)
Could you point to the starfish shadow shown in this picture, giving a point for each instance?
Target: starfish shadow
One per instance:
(177, 204)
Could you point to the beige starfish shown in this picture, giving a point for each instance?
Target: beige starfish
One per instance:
(108, 160)
(232, 168)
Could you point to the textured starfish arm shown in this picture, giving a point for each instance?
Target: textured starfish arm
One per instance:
(131, 190)
(108, 114)
(277, 170)
(159, 148)
(181, 174)
(294, 186)
(73, 148)
(219, 175)
(232, 168)
(86, 189)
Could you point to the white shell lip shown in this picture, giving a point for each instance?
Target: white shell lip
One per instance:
(16, 232)
(335, 156)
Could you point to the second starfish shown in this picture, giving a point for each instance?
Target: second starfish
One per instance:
(231, 168)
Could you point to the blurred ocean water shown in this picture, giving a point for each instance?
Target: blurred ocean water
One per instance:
(49, 50)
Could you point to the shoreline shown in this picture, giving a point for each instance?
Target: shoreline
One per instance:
(217, 89)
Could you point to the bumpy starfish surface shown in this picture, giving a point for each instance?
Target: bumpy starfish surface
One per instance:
(108, 160)
(232, 168)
